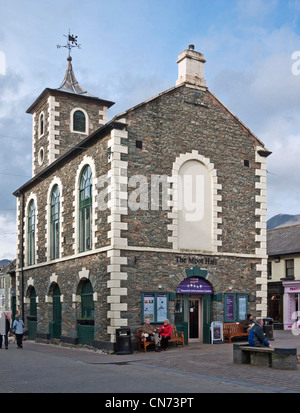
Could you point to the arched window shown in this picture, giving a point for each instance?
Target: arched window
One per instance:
(79, 124)
(31, 233)
(85, 210)
(41, 124)
(54, 223)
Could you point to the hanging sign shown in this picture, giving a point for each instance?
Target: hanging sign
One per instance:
(216, 332)
(194, 285)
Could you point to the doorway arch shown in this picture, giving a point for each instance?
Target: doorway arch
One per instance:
(193, 308)
(85, 321)
(55, 324)
(32, 318)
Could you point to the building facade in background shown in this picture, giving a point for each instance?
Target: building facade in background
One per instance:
(284, 276)
(159, 213)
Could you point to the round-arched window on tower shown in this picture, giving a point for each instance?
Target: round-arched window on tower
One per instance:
(79, 121)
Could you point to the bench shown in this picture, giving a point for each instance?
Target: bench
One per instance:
(177, 337)
(281, 358)
(231, 330)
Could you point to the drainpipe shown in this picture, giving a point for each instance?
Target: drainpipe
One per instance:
(22, 253)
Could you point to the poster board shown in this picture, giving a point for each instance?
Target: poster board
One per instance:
(216, 332)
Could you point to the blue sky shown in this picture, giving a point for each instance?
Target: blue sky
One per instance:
(128, 54)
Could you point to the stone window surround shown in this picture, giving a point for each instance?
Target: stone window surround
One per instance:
(31, 197)
(87, 160)
(179, 161)
(41, 156)
(55, 181)
(87, 126)
(40, 132)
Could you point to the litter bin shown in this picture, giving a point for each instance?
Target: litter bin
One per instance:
(123, 341)
(268, 328)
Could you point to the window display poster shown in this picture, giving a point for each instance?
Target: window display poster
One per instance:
(162, 307)
(229, 307)
(242, 307)
(149, 307)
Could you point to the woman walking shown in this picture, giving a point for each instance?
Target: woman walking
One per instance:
(18, 327)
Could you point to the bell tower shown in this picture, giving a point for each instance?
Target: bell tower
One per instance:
(64, 116)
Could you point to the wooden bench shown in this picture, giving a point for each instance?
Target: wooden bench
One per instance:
(177, 337)
(231, 330)
(281, 358)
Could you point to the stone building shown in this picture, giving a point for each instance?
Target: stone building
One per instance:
(160, 213)
(284, 276)
(7, 289)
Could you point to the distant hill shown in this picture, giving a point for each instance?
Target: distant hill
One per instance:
(4, 263)
(283, 220)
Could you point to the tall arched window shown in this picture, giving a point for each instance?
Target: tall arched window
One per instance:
(31, 233)
(54, 223)
(41, 124)
(85, 210)
(79, 121)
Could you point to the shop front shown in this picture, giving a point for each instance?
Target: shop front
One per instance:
(193, 309)
(291, 305)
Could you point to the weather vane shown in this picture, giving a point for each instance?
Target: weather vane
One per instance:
(72, 42)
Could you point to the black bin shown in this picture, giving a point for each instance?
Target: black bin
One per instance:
(268, 328)
(123, 341)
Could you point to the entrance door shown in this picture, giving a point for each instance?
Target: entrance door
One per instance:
(195, 319)
(55, 331)
(32, 318)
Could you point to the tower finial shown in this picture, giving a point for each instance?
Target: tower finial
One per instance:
(72, 42)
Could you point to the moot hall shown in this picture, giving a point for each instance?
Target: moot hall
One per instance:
(159, 212)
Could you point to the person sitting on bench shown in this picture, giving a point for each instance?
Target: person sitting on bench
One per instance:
(150, 334)
(166, 333)
(256, 336)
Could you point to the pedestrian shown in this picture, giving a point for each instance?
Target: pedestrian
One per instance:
(166, 333)
(256, 335)
(18, 327)
(7, 328)
(151, 334)
(248, 323)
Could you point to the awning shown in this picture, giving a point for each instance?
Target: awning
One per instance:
(194, 285)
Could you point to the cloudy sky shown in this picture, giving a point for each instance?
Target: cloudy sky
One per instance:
(128, 54)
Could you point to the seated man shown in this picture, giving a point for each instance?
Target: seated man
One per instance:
(150, 334)
(256, 335)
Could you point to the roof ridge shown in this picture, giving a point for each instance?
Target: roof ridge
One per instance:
(287, 226)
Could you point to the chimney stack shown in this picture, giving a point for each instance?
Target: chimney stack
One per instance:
(191, 68)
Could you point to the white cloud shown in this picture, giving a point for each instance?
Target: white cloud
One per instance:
(8, 245)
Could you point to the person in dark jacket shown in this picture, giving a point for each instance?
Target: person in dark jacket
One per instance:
(256, 335)
(248, 323)
(7, 328)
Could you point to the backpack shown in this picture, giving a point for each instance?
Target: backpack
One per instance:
(251, 338)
